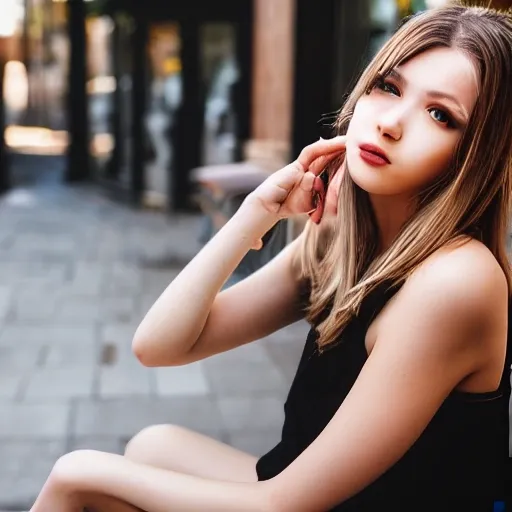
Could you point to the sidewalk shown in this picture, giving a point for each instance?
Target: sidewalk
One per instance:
(74, 285)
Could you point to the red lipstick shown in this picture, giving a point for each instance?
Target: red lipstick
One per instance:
(373, 155)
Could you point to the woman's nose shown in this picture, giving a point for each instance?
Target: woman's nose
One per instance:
(390, 124)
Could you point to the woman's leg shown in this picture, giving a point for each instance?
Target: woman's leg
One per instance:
(166, 447)
(185, 451)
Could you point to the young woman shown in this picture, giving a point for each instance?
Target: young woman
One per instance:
(401, 398)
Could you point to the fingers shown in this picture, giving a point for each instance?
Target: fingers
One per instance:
(258, 245)
(319, 165)
(321, 148)
(307, 182)
(308, 199)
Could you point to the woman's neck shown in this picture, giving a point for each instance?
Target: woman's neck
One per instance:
(391, 213)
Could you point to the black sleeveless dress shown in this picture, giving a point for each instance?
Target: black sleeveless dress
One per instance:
(460, 462)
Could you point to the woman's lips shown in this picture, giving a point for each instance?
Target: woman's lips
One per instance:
(373, 155)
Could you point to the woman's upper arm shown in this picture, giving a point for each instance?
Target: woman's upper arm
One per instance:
(259, 305)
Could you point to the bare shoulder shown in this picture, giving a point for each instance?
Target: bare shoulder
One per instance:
(468, 274)
(453, 312)
(458, 296)
(460, 292)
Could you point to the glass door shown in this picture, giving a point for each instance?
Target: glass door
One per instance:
(220, 78)
(176, 115)
(188, 104)
(101, 89)
(163, 102)
(169, 90)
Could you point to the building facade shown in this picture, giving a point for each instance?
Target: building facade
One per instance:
(138, 94)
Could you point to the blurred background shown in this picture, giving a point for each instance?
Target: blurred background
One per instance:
(129, 132)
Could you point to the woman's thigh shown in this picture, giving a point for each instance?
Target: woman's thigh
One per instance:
(179, 449)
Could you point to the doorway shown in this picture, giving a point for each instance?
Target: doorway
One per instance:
(180, 97)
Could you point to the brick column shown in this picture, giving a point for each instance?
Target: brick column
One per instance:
(272, 101)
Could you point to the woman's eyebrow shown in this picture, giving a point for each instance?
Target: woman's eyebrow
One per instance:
(462, 111)
(393, 73)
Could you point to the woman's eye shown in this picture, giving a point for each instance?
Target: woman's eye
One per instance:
(440, 116)
(388, 87)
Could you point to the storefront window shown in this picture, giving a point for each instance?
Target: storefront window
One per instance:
(47, 62)
(163, 103)
(220, 76)
(101, 86)
(15, 86)
(36, 75)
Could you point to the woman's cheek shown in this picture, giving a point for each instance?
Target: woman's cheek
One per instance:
(433, 167)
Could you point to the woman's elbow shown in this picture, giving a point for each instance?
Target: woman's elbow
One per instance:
(152, 352)
(141, 351)
(145, 350)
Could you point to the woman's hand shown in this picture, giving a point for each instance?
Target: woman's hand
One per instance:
(297, 188)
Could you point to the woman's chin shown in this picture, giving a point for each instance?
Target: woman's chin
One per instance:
(380, 182)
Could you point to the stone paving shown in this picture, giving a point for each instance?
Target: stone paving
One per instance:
(75, 283)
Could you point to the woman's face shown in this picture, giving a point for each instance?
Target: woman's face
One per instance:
(403, 134)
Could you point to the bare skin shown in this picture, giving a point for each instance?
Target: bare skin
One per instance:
(179, 449)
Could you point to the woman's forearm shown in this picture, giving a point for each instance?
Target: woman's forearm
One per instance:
(177, 318)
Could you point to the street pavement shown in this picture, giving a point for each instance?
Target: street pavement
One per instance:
(78, 274)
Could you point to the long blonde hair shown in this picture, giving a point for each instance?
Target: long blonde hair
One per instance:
(340, 260)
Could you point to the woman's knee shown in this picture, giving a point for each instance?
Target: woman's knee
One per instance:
(148, 442)
(69, 469)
